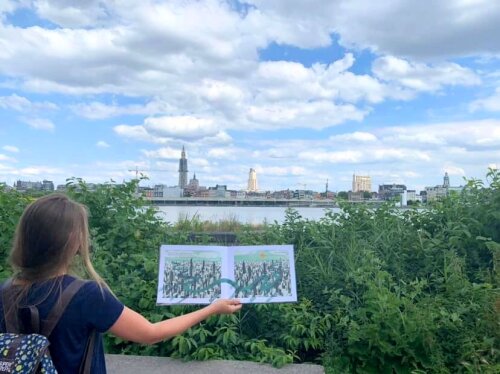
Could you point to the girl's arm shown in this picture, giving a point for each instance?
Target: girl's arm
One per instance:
(134, 327)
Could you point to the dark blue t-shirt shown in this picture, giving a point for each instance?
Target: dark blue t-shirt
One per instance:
(89, 309)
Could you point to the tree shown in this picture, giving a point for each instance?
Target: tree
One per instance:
(342, 195)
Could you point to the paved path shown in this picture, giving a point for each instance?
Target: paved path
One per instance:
(118, 364)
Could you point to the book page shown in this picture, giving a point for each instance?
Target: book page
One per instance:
(191, 274)
(263, 274)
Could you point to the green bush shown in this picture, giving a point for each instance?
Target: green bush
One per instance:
(381, 290)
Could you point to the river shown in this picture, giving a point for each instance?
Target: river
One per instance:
(246, 214)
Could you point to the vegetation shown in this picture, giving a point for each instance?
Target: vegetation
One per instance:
(381, 290)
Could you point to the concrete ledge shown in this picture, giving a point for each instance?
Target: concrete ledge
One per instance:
(121, 364)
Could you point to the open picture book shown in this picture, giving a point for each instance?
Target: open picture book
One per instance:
(192, 274)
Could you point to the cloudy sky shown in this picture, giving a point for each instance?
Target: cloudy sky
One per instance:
(301, 90)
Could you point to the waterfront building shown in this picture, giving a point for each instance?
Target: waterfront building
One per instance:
(252, 181)
(283, 194)
(411, 195)
(193, 186)
(183, 169)
(391, 191)
(361, 183)
(330, 195)
(356, 196)
(219, 191)
(45, 185)
(436, 192)
(303, 194)
(194, 183)
(423, 196)
(147, 192)
(166, 192)
(441, 191)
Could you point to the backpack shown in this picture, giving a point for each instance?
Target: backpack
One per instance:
(29, 353)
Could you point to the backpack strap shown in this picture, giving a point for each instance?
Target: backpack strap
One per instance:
(35, 319)
(55, 315)
(10, 313)
(60, 306)
(86, 364)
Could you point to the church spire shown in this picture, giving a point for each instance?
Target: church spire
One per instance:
(183, 169)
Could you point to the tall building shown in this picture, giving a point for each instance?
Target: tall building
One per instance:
(183, 169)
(361, 183)
(446, 180)
(252, 181)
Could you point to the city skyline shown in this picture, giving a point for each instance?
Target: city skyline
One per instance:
(98, 90)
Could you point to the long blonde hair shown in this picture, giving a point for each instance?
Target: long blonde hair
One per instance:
(52, 231)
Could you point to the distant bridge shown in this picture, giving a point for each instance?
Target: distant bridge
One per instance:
(214, 201)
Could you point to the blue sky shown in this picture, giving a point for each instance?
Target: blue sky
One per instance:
(300, 90)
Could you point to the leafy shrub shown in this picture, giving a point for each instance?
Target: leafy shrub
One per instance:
(381, 290)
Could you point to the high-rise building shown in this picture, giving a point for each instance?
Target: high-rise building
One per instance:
(361, 183)
(183, 169)
(252, 181)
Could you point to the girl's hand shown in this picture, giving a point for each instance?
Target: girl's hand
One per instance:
(225, 306)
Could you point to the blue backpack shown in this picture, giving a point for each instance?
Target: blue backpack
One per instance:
(29, 353)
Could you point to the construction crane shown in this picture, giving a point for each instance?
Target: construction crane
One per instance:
(137, 171)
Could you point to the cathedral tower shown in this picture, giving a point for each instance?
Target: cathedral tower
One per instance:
(183, 169)
(446, 180)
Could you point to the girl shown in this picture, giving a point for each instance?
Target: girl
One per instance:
(51, 233)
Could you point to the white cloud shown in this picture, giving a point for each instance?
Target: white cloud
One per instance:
(184, 127)
(9, 6)
(22, 104)
(468, 134)
(294, 114)
(40, 123)
(102, 144)
(397, 154)
(357, 136)
(134, 133)
(332, 157)
(164, 153)
(38, 171)
(97, 110)
(281, 171)
(199, 61)
(222, 153)
(68, 13)
(14, 102)
(452, 29)
(6, 158)
(453, 170)
(221, 137)
(490, 104)
(10, 148)
(422, 77)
